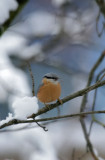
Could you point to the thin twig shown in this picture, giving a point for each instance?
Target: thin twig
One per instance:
(44, 128)
(89, 144)
(82, 114)
(99, 33)
(73, 154)
(83, 104)
(94, 100)
(91, 75)
(32, 78)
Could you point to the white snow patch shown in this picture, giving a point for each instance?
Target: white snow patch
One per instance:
(58, 3)
(5, 7)
(43, 23)
(9, 118)
(24, 107)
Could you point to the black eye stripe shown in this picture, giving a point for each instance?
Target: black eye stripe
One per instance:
(54, 78)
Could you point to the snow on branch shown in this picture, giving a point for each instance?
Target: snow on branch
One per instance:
(27, 105)
(11, 9)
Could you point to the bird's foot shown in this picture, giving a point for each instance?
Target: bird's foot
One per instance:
(47, 105)
(60, 101)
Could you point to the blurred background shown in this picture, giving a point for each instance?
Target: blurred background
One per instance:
(60, 36)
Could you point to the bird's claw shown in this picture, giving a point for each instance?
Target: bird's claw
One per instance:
(60, 101)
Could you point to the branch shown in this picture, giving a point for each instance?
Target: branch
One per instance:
(99, 33)
(91, 77)
(98, 78)
(32, 78)
(89, 145)
(101, 5)
(68, 98)
(82, 114)
(13, 14)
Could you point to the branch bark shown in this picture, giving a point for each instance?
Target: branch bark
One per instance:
(68, 98)
(82, 114)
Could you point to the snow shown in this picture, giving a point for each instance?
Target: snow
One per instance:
(15, 89)
(37, 156)
(11, 79)
(30, 51)
(5, 7)
(99, 158)
(8, 118)
(97, 154)
(35, 142)
(82, 23)
(45, 19)
(58, 3)
(13, 83)
(24, 107)
(12, 43)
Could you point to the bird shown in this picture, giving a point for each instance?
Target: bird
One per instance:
(50, 89)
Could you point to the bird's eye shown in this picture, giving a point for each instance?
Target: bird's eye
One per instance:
(55, 79)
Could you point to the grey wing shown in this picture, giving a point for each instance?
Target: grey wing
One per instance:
(39, 87)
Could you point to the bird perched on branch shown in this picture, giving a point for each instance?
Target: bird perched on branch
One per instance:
(50, 89)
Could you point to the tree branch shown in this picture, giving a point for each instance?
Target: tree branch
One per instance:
(89, 145)
(68, 98)
(32, 78)
(90, 78)
(82, 114)
(13, 14)
(83, 104)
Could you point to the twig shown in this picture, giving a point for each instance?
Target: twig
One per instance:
(83, 104)
(94, 100)
(99, 33)
(98, 79)
(82, 114)
(82, 156)
(44, 128)
(89, 145)
(73, 154)
(90, 79)
(101, 5)
(32, 78)
(68, 98)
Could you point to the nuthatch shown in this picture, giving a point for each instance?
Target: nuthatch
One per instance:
(50, 89)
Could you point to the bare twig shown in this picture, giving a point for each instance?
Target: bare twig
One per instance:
(94, 101)
(89, 144)
(90, 78)
(73, 154)
(99, 33)
(44, 128)
(91, 75)
(17, 121)
(32, 78)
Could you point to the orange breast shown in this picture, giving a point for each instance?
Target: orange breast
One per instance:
(49, 92)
